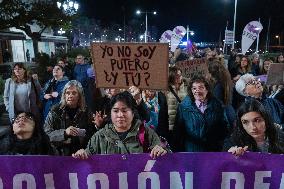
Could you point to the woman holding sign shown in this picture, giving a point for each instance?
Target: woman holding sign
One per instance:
(125, 134)
(255, 131)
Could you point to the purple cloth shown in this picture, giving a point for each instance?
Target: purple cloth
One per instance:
(202, 106)
(203, 170)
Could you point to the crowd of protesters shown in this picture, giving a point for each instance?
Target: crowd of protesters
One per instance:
(228, 109)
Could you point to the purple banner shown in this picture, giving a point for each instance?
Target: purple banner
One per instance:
(172, 171)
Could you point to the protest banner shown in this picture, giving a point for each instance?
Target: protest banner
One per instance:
(177, 35)
(121, 65)
(166, 36)
(275, 74)
(229, 37)
(139, 171)
(250, 33)
(190, 67)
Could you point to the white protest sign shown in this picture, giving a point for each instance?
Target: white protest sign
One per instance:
(178, 34)
(166, 36)
(250, 33)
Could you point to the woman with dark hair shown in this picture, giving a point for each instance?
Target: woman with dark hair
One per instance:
(21, 93)
(201, 125)
(123, 134)
(51, 93)
(177, 92)
(25, 137)
(255, 131)
(242, 68)
(280, 58)
(223, 88)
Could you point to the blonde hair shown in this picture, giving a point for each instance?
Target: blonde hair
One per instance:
(78, 86)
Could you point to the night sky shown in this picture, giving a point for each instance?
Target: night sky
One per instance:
(206, 17)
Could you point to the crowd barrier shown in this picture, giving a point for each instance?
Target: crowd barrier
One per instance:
(172, 171)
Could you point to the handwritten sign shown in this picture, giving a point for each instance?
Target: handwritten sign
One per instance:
(191, 67)
(121, 65)
(275, 74)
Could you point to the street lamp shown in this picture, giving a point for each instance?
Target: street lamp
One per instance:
(279, 39)
(146, 21)
(235, 18)
(61, 31)
(70, 7)
(189, 32)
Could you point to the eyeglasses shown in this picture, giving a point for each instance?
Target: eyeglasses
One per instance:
(253, 82)
(24, 117)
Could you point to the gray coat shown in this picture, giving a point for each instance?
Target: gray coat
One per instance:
(9, 98)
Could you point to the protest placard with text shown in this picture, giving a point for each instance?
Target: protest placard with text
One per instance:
(275, 74)
(121, 65)
(191, 67)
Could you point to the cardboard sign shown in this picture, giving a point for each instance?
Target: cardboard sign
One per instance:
(190, 67)
(121, 65)
(275, 74)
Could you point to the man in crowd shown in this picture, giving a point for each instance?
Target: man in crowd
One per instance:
(80, 71)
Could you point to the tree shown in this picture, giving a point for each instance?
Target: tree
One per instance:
(22, 15)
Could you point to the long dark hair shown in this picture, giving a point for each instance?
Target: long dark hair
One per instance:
(40, 141)
(172, 75)
(221, 75)
(242, 138)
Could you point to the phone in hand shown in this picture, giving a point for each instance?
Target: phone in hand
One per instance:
(81, 132)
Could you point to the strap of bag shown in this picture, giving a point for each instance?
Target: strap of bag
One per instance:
(141, 136)
(33, 83)
(174, 93)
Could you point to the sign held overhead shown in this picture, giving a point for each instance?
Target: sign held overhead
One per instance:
(121, 65)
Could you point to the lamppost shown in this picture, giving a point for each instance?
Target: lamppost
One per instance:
(189, 32)
(61, 31)
(235, 18)
(279, 39)
(146, 21)
(70, 7)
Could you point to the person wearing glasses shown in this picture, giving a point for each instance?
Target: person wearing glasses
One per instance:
(25, 137)
(255, 131)
(251, 88)
(80, 71)
(21, 93)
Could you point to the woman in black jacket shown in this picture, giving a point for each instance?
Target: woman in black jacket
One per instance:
(255, 131)
(25, 137)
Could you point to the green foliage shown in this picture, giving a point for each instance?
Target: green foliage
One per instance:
(271, 56)
(75, 51)
(19, 14)
(43, 61)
